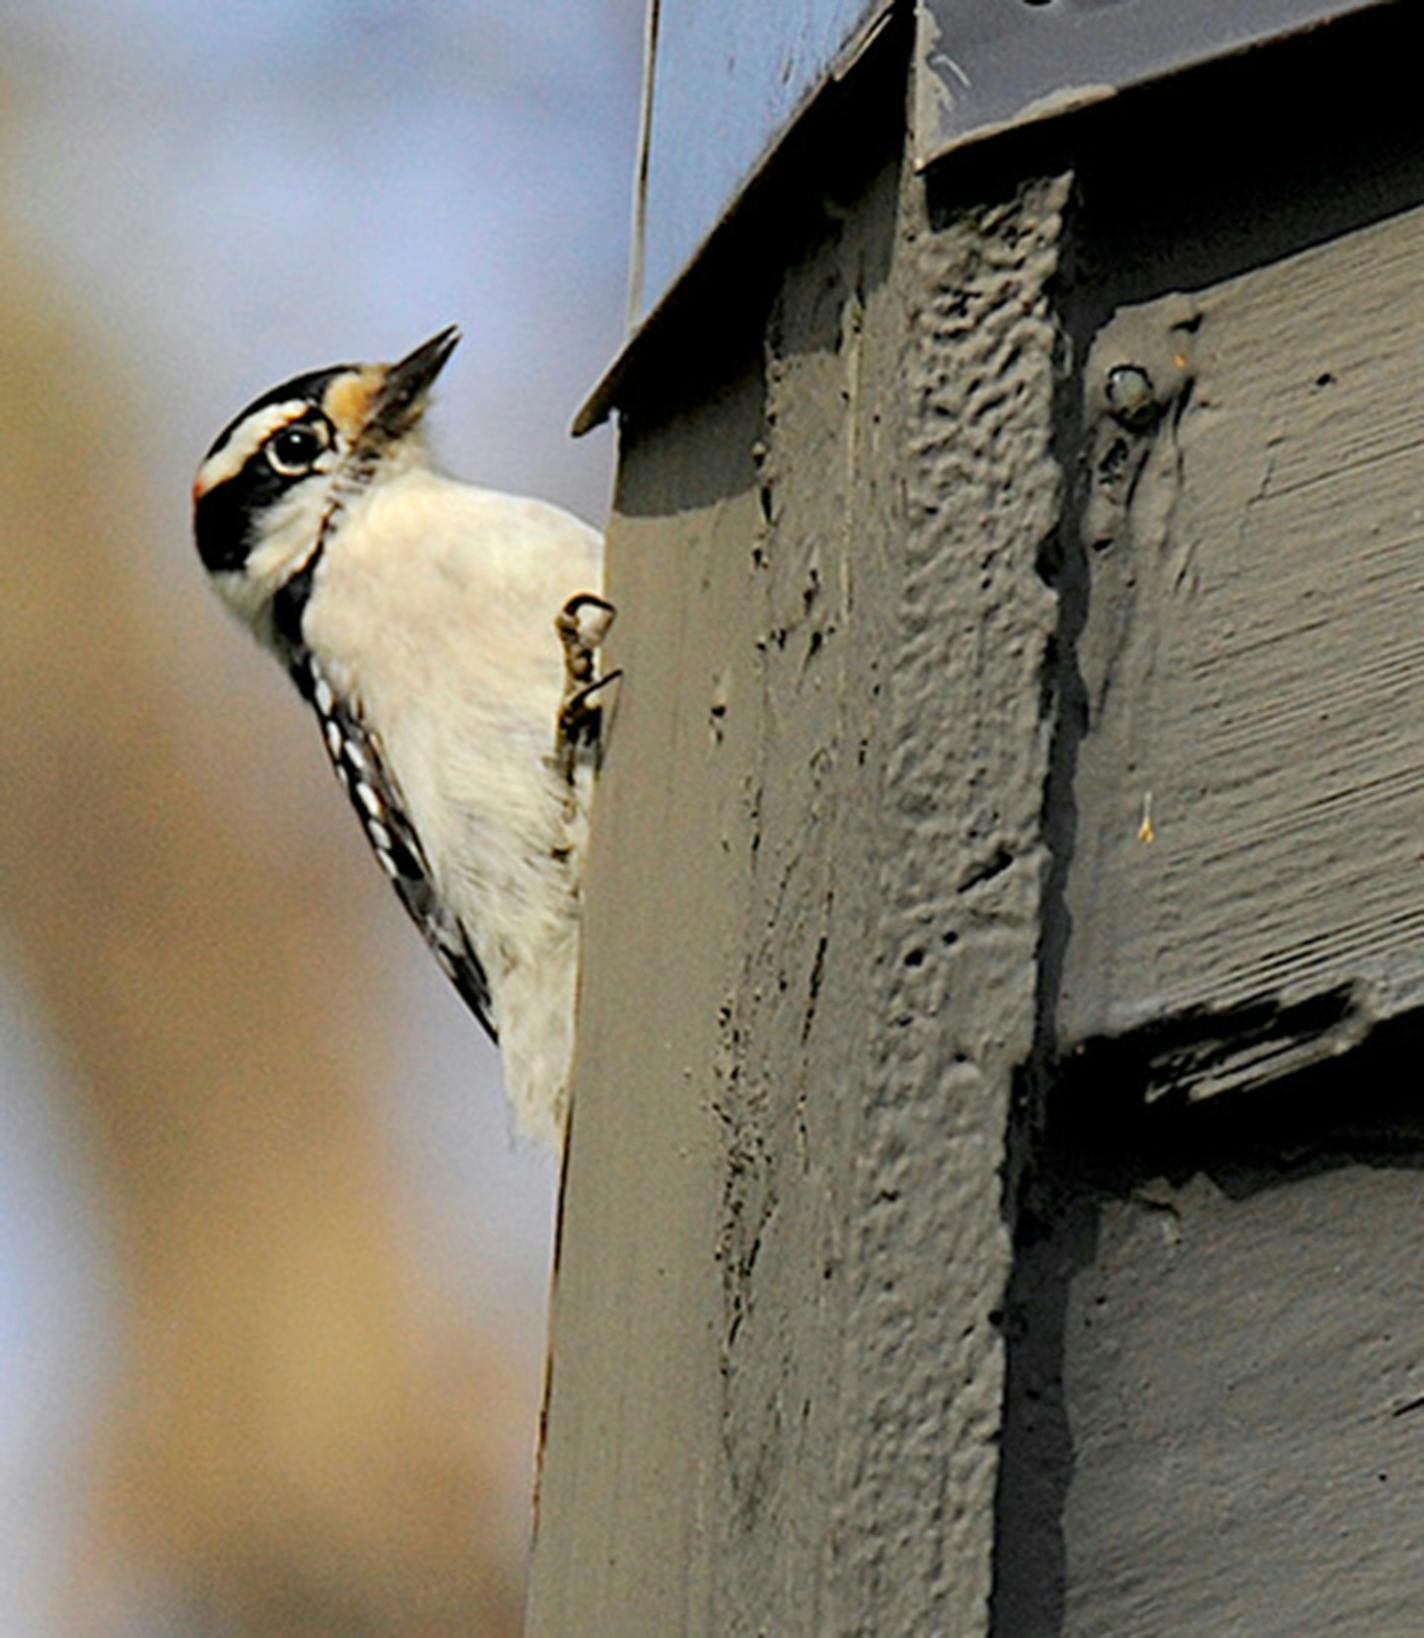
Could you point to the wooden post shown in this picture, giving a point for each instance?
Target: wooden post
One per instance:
(1020, 601)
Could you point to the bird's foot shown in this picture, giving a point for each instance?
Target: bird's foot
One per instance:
(582, 625)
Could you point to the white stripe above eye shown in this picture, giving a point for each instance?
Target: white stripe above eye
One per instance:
(246, 440)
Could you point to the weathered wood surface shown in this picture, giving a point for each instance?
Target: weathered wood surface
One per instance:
(1251, 783)
(996, 764)
(815, 901)
(1214, 1324)
(1244, 1389)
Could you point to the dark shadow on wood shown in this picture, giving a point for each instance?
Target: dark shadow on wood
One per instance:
(1357, 1110)
(1179, 185)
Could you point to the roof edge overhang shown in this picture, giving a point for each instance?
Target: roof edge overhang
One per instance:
(972, 84)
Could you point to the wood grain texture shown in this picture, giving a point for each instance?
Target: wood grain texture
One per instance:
(1244, 1389)
(1252, 662)
(1213, 1357)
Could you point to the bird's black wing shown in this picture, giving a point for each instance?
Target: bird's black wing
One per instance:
(361, 766)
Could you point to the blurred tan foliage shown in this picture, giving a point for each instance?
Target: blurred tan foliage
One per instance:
(296, 1441)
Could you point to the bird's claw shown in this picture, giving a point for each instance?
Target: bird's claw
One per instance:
(582, 624)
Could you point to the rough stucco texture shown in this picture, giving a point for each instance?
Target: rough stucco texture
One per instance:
(814, 908)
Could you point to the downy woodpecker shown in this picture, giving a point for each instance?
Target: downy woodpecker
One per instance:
(446, 637)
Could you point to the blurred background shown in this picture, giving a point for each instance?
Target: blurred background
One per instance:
(272, 1273)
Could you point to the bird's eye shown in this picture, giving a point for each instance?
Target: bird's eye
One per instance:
(294, 450)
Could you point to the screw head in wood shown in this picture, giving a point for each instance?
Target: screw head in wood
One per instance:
(1132, 399)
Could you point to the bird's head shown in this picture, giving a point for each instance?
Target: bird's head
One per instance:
(280, 474)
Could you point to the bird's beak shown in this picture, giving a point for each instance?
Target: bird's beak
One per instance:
(402, 393)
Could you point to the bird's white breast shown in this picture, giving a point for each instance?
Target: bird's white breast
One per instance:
(433, 608)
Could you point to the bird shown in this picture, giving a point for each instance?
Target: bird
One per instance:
(446, 637)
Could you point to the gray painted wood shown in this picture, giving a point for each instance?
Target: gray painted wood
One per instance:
(1011, 750)
(1214, 1321)
(814, 896)
(1265, 1477)
(1246, 879)
(725, 83)
(986, 66)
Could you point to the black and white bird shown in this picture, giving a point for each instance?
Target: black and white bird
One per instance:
(446, 637)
